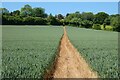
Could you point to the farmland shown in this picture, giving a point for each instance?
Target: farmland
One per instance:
(99, 48)
(40, 40)
(28, 50)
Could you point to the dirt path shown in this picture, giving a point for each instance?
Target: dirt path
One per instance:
(69, 63)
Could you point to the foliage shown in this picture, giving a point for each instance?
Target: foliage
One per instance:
(15, 13)
(28, 20)
(39, 12)
(11, 20)
(97, 26)
(52, 20)
(87, 23)
(107, 21)
(7, 20)
(109, 28)
(40, 21)
(87, 16)
(72, 15)
(59, 16)
(37, 16)
(115, 22)
(75, 21)
(100, 17)
(4, 11)
(26, 11)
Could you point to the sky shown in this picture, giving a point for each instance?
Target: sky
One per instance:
(59, 0)
(67, 7)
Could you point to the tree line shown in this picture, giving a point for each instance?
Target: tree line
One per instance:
(37, 16)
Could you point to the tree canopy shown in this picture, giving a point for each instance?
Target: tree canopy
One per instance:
(37, 16)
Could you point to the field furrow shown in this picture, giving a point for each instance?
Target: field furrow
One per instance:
(69, 63)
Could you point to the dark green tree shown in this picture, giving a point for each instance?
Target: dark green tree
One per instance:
(52, 20)
(115, 22)
(71, 16)
(87, 24)
(87, 16)
(4, 11)
(15, 13)
(39, 12)
(59, 16)
(26, 11)
(100, 17)
(107, 21)
(76, 21)
(40, 21)
(28, 20)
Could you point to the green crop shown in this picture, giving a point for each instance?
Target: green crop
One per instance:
(28, 50)
(99, 48)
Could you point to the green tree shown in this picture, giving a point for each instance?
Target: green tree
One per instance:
(4, 19)
(26, 11)
(4, 11)
(87, 24)
(28, 20)
(115, 22)
(11, 20)
(87, 16)
(15, 13)
(107, 21)
(96, 26)
(100, 17)
(52, 20)
(67, 14)
(71, 16)
(40, 21)
(59, 16)
(39, 12)
(76, 21)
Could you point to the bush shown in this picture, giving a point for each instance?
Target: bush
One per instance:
(53, 21)
(87, 24)
(102, 27)
(97, 26)
(109, 28)
(40, 21)
(11, 20)
(28, 20)
(4, 20)
(115, 22)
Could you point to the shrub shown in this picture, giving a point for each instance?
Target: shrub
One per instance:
(53, 21)
(28, 20)
(40, 21)
(97, 26)
(115, 22)
(102, 27)
(11, 20)
(109, 28)
(87, 23)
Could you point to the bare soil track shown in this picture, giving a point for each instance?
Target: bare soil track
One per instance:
(69, 63)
